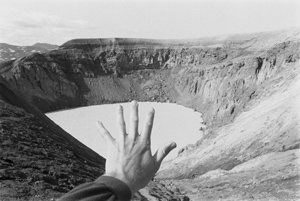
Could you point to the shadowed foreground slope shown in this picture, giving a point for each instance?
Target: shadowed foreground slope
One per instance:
(38, 160)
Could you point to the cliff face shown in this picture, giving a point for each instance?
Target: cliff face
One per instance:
(234, 81)
(222, 90)
(216, 77)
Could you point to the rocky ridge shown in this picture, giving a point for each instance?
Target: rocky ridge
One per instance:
(232, 80)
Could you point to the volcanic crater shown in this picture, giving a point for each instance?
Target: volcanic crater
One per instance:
(246, 86)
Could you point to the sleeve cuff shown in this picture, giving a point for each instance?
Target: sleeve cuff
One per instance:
(119, 188)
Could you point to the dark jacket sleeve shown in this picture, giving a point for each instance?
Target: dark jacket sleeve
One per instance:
(104, 188)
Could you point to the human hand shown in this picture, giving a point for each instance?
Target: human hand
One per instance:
(129, 156)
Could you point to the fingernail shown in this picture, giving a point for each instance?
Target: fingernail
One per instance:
(152, 110)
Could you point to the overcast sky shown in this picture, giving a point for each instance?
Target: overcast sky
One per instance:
(25, 22)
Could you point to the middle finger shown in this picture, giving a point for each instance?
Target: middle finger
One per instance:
(134, 120)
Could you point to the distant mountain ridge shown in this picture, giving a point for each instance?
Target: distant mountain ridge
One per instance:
(10, 52)
(46, 46)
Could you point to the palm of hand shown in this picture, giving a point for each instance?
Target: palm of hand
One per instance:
(129, 156)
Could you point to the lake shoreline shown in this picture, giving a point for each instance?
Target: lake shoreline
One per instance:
(183, 120)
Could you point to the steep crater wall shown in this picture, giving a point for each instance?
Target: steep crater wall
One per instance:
(218, 81)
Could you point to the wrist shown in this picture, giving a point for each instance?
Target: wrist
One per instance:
(116, 186)
(122, 178)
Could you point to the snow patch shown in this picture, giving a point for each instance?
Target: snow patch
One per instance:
(11, 50)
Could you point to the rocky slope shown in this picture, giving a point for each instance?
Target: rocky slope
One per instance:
(246, 86)
(11, 52)
(254, 157)
(38, 160)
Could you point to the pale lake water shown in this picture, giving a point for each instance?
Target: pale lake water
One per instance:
(172, 123)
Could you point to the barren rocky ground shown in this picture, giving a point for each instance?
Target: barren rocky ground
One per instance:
(254, 157)
(246, 86)
(39, 161)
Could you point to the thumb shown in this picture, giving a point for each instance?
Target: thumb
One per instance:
(162, 152)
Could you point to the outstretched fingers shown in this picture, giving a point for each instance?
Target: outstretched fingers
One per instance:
(162, 152)
(104, 133)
